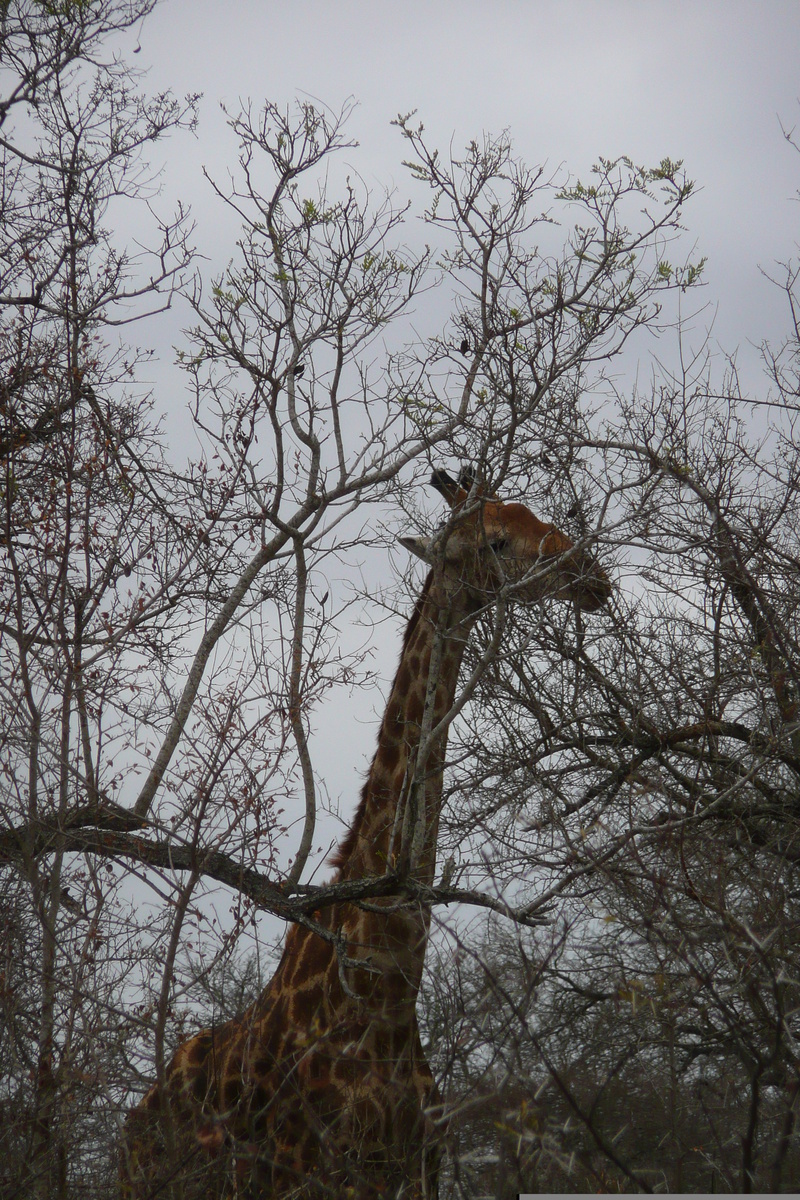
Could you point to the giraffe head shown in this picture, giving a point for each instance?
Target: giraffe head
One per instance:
(487, 544)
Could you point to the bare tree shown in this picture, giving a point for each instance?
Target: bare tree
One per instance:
(168, 619)
(642, 782)
(80, 518)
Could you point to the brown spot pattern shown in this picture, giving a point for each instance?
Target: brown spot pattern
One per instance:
(314, 1091)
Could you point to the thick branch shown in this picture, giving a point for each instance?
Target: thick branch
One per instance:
(106, 834)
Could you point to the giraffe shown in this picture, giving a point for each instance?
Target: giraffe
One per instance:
(321, 1088)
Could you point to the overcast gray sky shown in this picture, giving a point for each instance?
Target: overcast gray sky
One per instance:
(703, 80)
(707, 81)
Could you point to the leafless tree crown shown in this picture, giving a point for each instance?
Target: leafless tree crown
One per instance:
(614, 1000)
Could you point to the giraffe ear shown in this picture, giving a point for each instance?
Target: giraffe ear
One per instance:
(420, 546)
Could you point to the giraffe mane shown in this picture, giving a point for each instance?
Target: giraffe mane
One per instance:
(347, 845)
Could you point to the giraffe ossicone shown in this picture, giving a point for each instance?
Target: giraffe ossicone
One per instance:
(321, 1088)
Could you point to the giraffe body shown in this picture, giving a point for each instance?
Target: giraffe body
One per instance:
(321, 1088)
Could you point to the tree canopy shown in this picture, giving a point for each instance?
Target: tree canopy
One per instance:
(613, 1003)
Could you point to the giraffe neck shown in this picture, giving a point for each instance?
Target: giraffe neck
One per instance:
(397, 822)
(395, 829)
